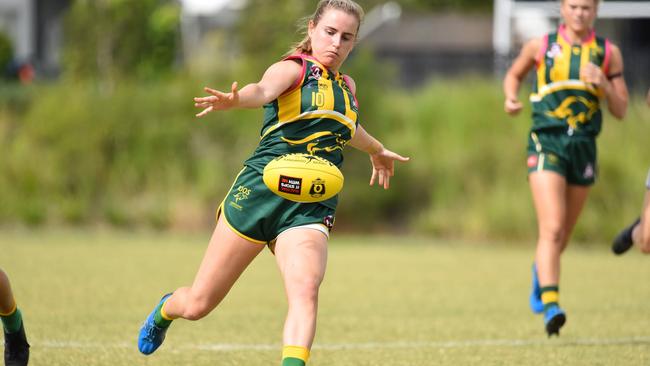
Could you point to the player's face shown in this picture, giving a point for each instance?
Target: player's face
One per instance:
(333, 37)
(579, 15)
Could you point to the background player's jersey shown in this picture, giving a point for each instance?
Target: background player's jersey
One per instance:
(560, 100)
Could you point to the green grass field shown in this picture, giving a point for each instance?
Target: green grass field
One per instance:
(385, 301)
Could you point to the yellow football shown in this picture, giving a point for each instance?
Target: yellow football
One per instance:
(303, 178)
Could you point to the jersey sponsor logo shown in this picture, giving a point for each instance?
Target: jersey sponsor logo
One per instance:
(596, 55)
(532, 161)
(290, 185)
(315, 73)
(576, 50)
(554, 50)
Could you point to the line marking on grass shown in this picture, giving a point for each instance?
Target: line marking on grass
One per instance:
(229, 347)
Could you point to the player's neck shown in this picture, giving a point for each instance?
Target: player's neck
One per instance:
(576, 36)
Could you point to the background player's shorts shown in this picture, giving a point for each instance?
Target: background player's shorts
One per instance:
(647, 181)
(259, 215)
(573, 157)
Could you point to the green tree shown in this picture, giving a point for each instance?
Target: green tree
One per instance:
(6, 52)
(106, 39)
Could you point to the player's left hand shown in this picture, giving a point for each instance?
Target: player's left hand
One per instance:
(593, 74)
(383, 166)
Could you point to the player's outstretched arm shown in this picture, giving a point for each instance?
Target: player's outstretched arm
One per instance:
(382, 159)
(276, 80)
(516, 73)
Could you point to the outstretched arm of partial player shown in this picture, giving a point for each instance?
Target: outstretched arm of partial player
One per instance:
(277, 79)
(516, 73)
(382, 159)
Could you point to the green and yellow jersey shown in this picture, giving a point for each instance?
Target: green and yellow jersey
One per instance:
(560, 100)
(317, 115)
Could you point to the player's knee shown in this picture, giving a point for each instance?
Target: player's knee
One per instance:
(554, 235)
(305, 288)
(197, 307)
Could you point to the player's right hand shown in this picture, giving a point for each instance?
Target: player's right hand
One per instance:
(512, 106)
(218, 101)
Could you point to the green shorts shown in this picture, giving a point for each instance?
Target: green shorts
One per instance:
(573, 157)
(259, 215)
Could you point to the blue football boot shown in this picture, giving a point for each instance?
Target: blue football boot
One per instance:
(554, 319)
(151, 336)
(535, 299)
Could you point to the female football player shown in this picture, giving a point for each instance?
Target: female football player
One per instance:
(575, 71)
(310, 107)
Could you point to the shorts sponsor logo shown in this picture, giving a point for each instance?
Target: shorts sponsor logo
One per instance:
(553, 159)
(589, 171)
(532, 161)
(242, 193)
(290, 185)
(329, 221)
(317, 188)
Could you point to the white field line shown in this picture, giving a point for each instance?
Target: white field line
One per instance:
(228, 347)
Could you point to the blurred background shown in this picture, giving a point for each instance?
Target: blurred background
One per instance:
(97, 125)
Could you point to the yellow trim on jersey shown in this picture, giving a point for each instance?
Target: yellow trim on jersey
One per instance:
(341, 118)
(563, 85)
(351, 114)
(220, 210)
(289, 104)
(541, 73)
(307, 139)
(562, 65)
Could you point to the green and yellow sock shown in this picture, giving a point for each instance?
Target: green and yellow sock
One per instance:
(550, 296)
(160, 317)
(12, 320)
(294, 356)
